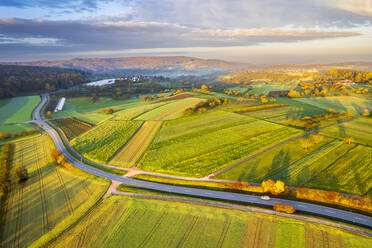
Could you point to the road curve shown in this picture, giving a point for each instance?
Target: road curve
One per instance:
(237, 197)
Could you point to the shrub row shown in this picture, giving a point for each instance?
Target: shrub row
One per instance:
(5, 135)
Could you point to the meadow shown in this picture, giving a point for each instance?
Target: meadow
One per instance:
(102, 142)
(137, 145)
(360, 129)
(170, 110)
(50, 200)
(18, 109)
(130, 113)
(138, 222)
(357, 105)
(261, 89)
(204, 145)
(85, 109)
(16, 128)
(330, 165)
(72, 127)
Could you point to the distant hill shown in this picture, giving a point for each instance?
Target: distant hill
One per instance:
(19, 80)
(357, 66)
(108, 65)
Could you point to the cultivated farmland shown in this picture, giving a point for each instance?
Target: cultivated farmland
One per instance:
(72, 127)
(85, 109)
(135, 222)
(169, 111)
(102, 142)
(17, 109)
(50, 200)
(330, 164)
(357, 105)
(16, 128)
(206, 149)
(134, 149)
(360, 129)
(130, 113)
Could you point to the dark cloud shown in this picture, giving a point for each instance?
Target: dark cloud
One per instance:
(41, 36)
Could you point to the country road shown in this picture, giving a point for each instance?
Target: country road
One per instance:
(234, 197)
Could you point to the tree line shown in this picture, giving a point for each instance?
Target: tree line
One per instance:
(17, 80)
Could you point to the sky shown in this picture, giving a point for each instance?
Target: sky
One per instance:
(249, 31)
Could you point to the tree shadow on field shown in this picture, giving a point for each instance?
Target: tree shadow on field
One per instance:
(358, 108)
(279, 163)
(250, 175)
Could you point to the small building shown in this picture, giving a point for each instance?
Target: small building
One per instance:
(60, 104)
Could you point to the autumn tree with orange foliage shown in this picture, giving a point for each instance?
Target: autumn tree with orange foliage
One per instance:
(285, 208)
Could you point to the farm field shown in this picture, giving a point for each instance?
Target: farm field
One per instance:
(72, 127)
(179, 151)
(330, 165)
(50, 200)
(137, 145)
(130, 113)
(357, 105)
(266, 88)
(84, 109)
(169, 111)
(278, 114)
(102, 142)
(16, 128)
(135, 222)
(360, 129)
(18, 109)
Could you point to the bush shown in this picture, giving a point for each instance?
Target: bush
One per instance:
(285, 208)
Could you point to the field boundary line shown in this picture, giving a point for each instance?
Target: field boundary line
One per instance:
(125, 143)
(275, 145)
(252, 156)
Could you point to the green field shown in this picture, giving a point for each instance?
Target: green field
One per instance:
(16, 128)
(85, 109)
(360, 129)
(18, 109)
(138, 144)
(204, 145)
(121, 221)
(50, 200)
(130, 113)
(357, 105)
(328, 165)
(102, 142)
(264, 89)
(170, 110)
(278, 114)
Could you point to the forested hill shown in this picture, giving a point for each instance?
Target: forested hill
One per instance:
(164, 63)
(18, 80)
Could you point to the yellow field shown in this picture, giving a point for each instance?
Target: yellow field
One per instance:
(121, 221)
(50, 196)
(130, 154)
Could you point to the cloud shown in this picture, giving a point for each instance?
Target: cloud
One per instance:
(32, 41)
(131, 34)
(361, 7)
(250, 14)
(80, 4)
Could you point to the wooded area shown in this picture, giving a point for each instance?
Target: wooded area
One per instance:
(15, 80)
